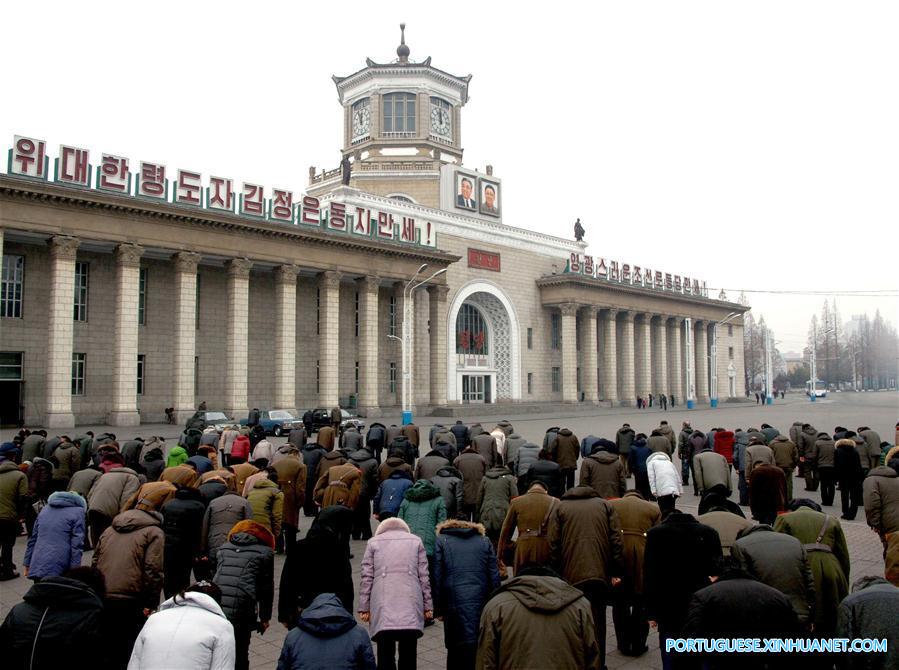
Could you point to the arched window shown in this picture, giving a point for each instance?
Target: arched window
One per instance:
(402, 198)
(398, 114)
(471, 332)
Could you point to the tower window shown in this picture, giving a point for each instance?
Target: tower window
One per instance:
(399, 113)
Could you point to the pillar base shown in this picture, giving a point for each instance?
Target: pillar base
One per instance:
(59, 420)
(368, 411)
(625, 403)
(131, 418)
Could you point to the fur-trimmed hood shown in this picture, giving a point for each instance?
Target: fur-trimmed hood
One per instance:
(459, 523)
(254, 529)
(393, 523)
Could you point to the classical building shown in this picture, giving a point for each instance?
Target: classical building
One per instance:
(127, 290)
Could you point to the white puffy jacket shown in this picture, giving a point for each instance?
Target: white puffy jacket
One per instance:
(500, 437)
(190, 634)
(664, 479)
(263, 450)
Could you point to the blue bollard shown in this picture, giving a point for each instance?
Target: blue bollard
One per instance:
(407, 418)
(691, 404)
(713, 403)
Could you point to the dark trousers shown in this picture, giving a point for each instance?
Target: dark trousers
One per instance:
(391, 641)
(667, 504)
(568, 477)
(597, 594)
(811, 478)
(362, 519)
(309, 506)
(788, 475)
(828, 479)
(641, 483)
(623, 459)
(631, 626)
(461, 656)
(685, 471)
(98, 523)
(743, 487)
(242, 634)
(178, 566)
(469, 512)
(9, 530)
(289, 535)
(124, 620)
(850, 496)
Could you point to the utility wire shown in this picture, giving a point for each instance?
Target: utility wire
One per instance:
(870, 293)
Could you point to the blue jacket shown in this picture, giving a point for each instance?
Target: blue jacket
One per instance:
(201, 463)
(58, 537)
(587, 445)
(465, 573)
(391, 493)
(636, 457)
(327, 636)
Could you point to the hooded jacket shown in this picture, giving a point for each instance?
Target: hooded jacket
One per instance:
(664, 479)
(780, 561)
(473, 467)
(391, 494)
(710, 469)
(514, 442)
(496, 492)
(585, 537)
(327, 636)
(392, 464)
(365, 461)
(57, 538)
(870, 611)
(13, 491)
(724, 444)
(825, 451)
(153, 464)
(604, 473)
(807, 438)
(67, 458)
(460, 430)
(112, 490)
(881, 496)
(449, 481)
(666, 432)
(624, 438)
(422, 509)
(218, 520)
(429, 464)
(485, 445)
(395, 587)
(245, 567)
(177, 456)
(187, 632)
(540, 621)
(180, 475)
(756, 455)
(267, 503)
(465, 573)
(130, 556)
(847, 463)
(329, 460)
(526, 455)
(58, 625)
(566, 449)
(638, 456)
(872, 448)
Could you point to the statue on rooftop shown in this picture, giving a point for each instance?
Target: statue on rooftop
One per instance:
(578, 231)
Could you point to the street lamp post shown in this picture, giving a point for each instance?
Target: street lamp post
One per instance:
(406, 340)
(713, 395)
(813, 363)
(690, 362)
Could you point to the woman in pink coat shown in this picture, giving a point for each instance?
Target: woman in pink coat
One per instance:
(395, 598)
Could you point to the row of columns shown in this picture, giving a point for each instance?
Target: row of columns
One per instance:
(643, 358)
(123, 406)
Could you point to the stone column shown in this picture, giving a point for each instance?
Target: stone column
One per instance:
(660, 356)
(235, 395)
(676, 374)
(285, 336)
(329, 339)
(124, 373)
(591, 355)
(60, 328)
(368, 344)
(569, 351)
(627, 371)
(644, 356)
(610, 358)
(437, 351)
(702, 362)
(185, 335)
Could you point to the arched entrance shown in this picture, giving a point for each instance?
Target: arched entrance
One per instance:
(483, 346)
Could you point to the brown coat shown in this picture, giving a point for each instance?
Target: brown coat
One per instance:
(292, 482)
(881, 496)
(786, 454)
(411, 433)
(660, 443)
(326, 437)
(566, 448)
(129, 554)
(112, 491)
(473, 468)
(756, 455)
(891, 568)
(226, 476)
(604, 473)
(151, 496)
(637, 516)
(728, 526)
(242, 472)
(526, 515)
(328, 461)
(392, 464)
(180, 475)
(340, 485)
(585, 535)
(485, 445)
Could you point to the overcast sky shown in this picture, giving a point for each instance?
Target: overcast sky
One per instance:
(754, 145)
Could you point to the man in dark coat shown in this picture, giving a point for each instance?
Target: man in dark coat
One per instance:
(58, 624)
(737, 606)
(806, 446)
(473, 468)
(871, 610)
(582, 519)
(849, 476)
(680, 546)
(460, 430)
(312, 455)
(548, 472)
(316, 564)
(376, 440)
(465, 574)
(767, 493)
(623, 440)
(182, 525)
(825, 452)
(565, 451)
(368, 466)
(637, 465)
(485, 444)
(297, 437)
(684, 452)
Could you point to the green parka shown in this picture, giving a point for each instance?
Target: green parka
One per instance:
(423, 510)
(497, 490)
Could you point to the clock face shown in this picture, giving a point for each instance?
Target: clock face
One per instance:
(361, 121)
(440, 121)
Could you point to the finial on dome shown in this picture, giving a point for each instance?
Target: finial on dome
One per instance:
(402, 50)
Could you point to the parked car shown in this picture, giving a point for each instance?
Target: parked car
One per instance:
(322, 417)
(278, 422)
(201, 420)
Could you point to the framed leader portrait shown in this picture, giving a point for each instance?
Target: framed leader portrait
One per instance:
(489, 192)
(466, 193)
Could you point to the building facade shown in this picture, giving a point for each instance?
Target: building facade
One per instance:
(127, 290)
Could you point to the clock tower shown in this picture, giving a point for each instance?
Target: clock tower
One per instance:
(402, 122)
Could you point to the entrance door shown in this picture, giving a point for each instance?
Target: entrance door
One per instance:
(10, 403)
(473, 389)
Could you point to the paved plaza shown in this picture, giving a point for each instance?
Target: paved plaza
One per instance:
(877, 410)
